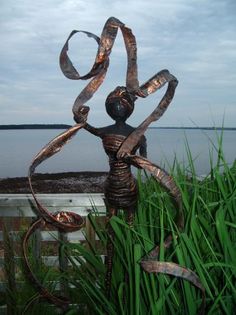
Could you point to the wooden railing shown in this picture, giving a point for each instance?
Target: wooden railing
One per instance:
(15, 208)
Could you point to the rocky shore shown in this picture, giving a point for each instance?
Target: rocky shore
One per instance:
(73, 182)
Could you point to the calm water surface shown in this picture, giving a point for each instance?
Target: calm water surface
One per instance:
(85, 153)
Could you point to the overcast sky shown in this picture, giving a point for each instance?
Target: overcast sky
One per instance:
(194, 39)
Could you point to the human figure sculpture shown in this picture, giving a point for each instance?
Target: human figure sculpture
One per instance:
(120, 187)
(120, 142)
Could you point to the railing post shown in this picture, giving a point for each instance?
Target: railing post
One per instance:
(63, 262)
(9, 265)
(36, 247)
(90, 233)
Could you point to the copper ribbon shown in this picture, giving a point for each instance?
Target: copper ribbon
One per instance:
(62, 220)
(151, 263)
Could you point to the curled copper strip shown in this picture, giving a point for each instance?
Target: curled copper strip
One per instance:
(168, 183)
(60, 301)
(99, 68)
(62, 220)
(175, 270)
(155, 83)
(150, 263)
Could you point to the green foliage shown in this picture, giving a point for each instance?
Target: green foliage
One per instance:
(206, 246)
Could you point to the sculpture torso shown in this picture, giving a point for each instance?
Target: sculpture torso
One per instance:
(120, 186)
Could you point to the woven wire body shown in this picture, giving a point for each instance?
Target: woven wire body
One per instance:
(120, 186)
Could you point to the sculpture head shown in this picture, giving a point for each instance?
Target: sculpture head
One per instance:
(120, 104)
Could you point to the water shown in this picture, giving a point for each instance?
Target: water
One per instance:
(85, 153)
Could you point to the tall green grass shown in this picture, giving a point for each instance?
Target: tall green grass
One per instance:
(207, 245)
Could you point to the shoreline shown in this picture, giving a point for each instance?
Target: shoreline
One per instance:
(68, 182)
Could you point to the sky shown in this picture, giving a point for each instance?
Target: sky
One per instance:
(194, 39)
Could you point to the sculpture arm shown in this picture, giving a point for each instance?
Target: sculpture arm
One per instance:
(81, 117)
(153, 84)
(95, 131)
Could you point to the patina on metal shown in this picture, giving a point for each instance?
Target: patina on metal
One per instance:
(121, 142)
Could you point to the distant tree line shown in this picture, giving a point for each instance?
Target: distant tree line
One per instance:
(196, 128)
(35, 126)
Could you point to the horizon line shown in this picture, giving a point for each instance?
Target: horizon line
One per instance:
(63, 126)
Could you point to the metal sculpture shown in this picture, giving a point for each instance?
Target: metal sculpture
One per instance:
(120, 142)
